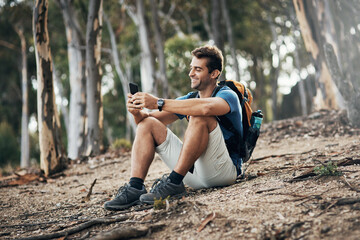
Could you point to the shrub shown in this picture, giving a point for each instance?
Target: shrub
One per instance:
(329, 169)
(121, 144)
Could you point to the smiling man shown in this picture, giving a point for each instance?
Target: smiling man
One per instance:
(202, 159)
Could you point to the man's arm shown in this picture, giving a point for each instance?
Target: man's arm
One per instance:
(212, 106)
(139, 114)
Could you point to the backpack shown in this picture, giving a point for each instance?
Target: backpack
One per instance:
(244, 145)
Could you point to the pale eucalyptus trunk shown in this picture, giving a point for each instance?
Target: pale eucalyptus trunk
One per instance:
(124, 79)
(274, 70)
(230, 35)
(25, 146)
(159, 49)
(76, 59)
(94, 132)
(52, 154)
(147, 71)
(216, 28)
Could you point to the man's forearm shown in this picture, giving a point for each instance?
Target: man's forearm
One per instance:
(197, 107)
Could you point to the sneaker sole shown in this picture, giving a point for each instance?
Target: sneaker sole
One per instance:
(122, 207)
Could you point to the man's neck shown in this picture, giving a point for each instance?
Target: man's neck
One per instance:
(207, 92)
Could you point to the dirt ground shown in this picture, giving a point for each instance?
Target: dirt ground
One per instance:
(280, 197)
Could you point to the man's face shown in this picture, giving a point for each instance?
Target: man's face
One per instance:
(199, 73)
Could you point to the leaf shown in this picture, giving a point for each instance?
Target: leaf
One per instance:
(208, 219)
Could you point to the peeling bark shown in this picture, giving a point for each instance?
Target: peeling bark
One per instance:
(307, 15)
(52, 154)
(326, 24)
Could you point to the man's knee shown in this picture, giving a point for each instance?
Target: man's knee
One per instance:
(153, 126)
(202, 121)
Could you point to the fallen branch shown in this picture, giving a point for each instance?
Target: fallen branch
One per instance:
(346, 201)
(128, 232)
(282, 155)
(28, 224)
(310, 172)
(78, 228)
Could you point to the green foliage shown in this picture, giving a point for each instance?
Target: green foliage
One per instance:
(329, 169)
(121, 144)
(178, 57)
(9, 146)
(161, 203)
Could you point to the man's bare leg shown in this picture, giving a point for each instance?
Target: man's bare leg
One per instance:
(149, 134)
(195, 142)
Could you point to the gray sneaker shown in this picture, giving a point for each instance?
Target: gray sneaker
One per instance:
(126, 197)
(163, 188)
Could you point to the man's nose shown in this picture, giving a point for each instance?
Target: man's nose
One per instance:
(191, 72)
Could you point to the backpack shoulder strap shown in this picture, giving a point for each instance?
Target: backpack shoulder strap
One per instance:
(194, 95)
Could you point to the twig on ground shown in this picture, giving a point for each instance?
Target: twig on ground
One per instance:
(208, 219)
(77, 228)
(87, 198)
(268, 190)
(28, 224)
(283, 155)
(349, 185)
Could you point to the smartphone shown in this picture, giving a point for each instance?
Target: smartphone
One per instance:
(133, 88)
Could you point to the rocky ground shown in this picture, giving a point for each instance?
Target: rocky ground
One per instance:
(283, 194)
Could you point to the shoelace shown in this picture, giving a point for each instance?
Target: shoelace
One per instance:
(122, 190)
(159, 183)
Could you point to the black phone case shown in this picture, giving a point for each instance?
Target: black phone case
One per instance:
(133, 88)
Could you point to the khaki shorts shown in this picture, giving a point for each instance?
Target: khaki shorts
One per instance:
(213, 168)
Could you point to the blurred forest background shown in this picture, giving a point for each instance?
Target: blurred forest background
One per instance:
(295, 56)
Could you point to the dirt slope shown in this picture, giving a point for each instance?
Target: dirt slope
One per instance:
(273, 201)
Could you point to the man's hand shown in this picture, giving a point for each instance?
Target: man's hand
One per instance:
(142, 100)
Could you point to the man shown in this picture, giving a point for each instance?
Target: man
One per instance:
(203, 150)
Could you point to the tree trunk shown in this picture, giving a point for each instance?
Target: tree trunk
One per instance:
(146, 62)
(311, 29)
(123, 77)
(52, 154)
(302, 92)
(76, 58)
(216, 29)
(325, 28)
(93, 73)
(275, 69)
(63, 109)
(25, 159)
(159, 49)
(230, 35)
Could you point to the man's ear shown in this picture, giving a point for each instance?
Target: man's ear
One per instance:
(215, 73)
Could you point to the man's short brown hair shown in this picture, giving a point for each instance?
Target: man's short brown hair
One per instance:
(213, 54)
